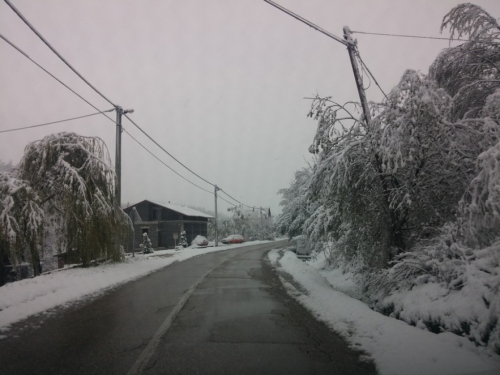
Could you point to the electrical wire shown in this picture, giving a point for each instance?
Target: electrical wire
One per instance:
(74, 92)
(363, 72)
(423, 37)
(243, 204)
(157, 158)
(55, 122)
(309, 23)
(86, 101)
(88, 83)
(173, 157)
(232, 204)
(369, 72)
(168, 153)
(99, 112)
(54, 50)
(53, 76)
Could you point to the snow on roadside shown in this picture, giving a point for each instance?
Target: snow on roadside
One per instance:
(394, 346)
(32, 296)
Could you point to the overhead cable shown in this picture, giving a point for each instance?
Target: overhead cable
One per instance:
(309, 23)
(93, 106)
(157, 158)
(166, 165)
(234, 199)
(53, 76)
(173, 157)
(55, 122)
(363, 65)
(424, 37)
(168, 153)
(54, 50)
(88, 83)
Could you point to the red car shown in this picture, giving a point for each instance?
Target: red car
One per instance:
(234, 238)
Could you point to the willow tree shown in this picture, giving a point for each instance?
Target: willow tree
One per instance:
(296, 208)
(74, 178)
(21, 221)
(469, 72)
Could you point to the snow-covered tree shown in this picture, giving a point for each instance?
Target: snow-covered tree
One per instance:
(21, 221)
(470, 72)
(183, 240)
(349, 191)
(411, 201)
(147, 246)
(252, 223)
(296, 209)
(461, 260)
(74, 179)
(6, 167)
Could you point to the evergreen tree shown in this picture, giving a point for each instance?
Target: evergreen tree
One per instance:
(147, 246)
(183, 240)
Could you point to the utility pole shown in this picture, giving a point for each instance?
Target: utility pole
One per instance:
(118, 155)
(118, 152)
(216, 243)
(351, 48)
(261, 224)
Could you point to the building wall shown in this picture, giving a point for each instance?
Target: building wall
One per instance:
(152, 227)
(194, 229)
(167, 234)
(162, 223)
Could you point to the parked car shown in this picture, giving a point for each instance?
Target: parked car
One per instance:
(199, 241)
(234, 238)
(301, 246)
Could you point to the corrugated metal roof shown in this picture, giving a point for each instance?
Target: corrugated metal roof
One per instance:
(181, 209)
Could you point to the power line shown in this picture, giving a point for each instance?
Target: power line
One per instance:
(54, 50)
(243, 204)
(173, 157)
(423, 37)
(363, 65)
(88, 83)
(178, 174)
(157, 158)
(53, 76)
(309, 23)
(147, 135)
(55, 122)
(103, 113)
(74, 70)
(232, 204)
(168, 153)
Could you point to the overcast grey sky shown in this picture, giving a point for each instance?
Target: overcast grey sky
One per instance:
(219, 83)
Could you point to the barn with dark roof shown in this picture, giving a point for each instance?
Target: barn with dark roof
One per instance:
(164, 222)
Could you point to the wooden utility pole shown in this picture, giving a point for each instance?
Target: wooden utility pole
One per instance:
(118, 152)
(216, 243)
(351, 49)
(118, 155)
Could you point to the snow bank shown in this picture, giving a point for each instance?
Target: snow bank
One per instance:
(394, 346)
(32, 296)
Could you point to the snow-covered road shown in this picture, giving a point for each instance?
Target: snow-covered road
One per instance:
(395, 347)
(21, 299)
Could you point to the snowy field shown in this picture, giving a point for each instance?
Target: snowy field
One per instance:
(27, 297)
(394, 346)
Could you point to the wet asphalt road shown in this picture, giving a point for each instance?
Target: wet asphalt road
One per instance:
(220, 313)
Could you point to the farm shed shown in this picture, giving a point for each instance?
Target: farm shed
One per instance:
(162, 220)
